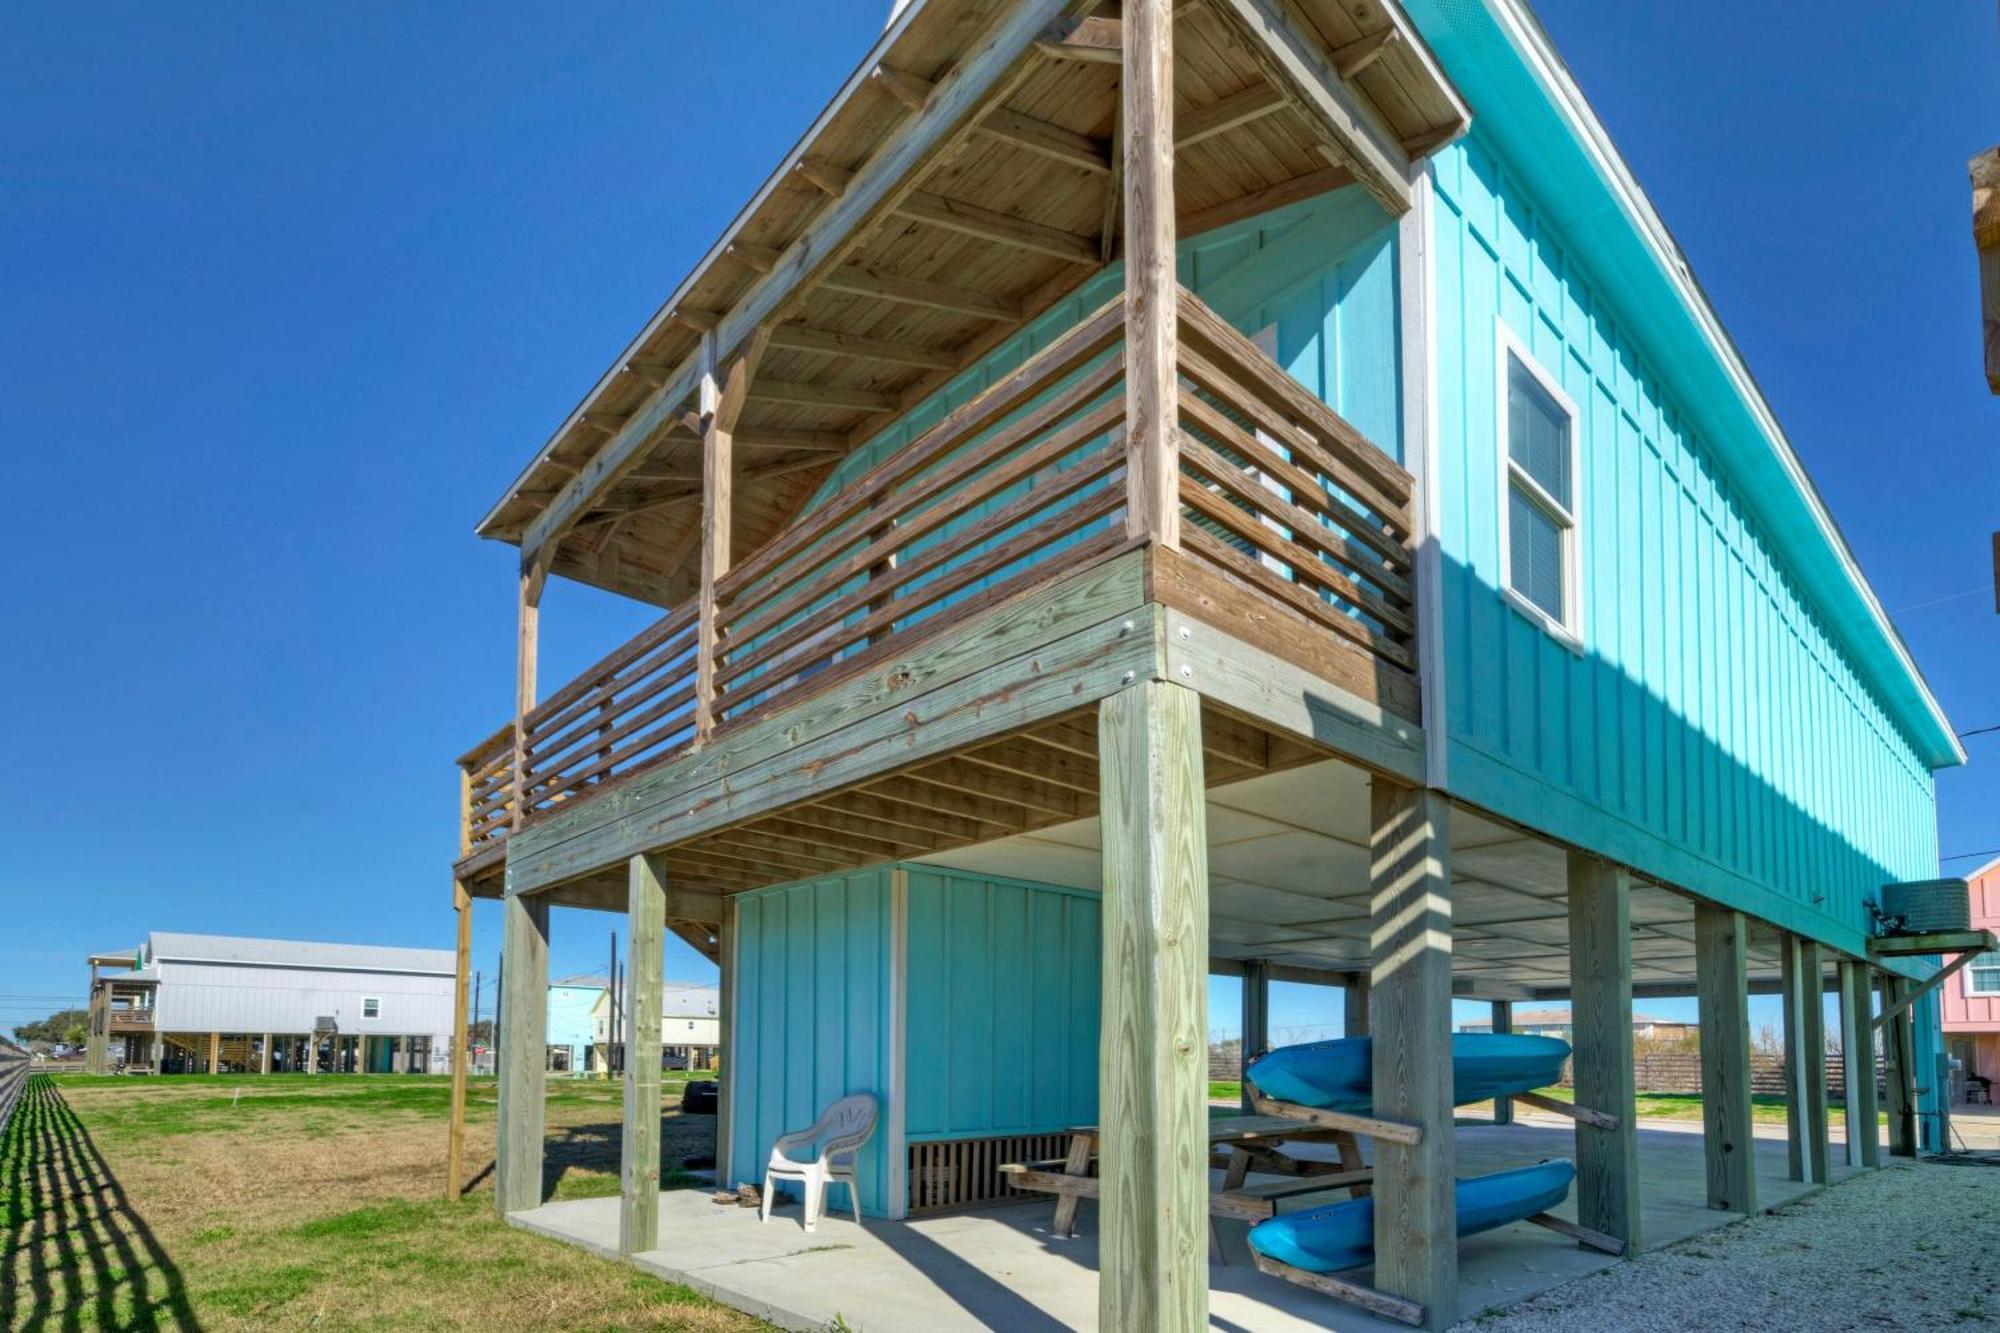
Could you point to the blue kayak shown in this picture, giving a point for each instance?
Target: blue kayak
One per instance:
(1338, 1076)
(1342, 1235)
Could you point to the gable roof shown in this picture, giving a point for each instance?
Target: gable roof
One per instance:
(174, 947)
(1526, 99)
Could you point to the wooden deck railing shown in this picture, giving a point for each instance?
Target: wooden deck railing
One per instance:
(1278, 493)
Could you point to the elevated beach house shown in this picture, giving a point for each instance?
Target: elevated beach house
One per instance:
(1192, 487)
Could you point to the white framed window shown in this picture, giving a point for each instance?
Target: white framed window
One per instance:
(1982, 975)
(1541, 529)
(371, 1007)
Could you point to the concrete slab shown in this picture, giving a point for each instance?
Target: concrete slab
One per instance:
(1000, 1268)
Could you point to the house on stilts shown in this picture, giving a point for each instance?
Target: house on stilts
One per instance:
(1196, 487)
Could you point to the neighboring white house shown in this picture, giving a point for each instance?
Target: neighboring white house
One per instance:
(220, 1003)
(690, 1026)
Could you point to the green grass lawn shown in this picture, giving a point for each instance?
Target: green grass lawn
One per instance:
(239, 1202)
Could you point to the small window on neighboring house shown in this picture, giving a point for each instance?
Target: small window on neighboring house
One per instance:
(371, 1008)
(1538, 518)
(1982, 975)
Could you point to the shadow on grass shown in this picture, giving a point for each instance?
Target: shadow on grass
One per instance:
(74, 1245)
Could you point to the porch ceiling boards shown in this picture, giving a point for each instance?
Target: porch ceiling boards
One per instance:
(1288, 883)
(1011, 208)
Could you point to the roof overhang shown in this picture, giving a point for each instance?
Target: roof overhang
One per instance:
(1530, 104)
(961, 181)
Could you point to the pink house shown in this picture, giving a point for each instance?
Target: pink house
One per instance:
(1972, 998)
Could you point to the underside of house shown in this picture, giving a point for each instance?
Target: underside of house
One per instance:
(1052, 486)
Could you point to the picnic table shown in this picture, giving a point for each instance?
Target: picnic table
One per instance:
(1237, 1145)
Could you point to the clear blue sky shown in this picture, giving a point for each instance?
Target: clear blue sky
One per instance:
(287, 295)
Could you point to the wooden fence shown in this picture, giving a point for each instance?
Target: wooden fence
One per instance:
(15, 1064)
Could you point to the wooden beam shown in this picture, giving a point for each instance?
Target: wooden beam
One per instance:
(1152, 455)
(1354, 1006)
(824, 395)
(725, 1044)
(1916, 991)
(1721, 943)
(858, 281)
(1416, 1245)
(1308, 186)
(1797, 996)
(1253, 103)
(1284, 45)
(973, 87)
(1898, 1068)
(757, 258)
(1048, 140)
(639, 1149)
(1985, 170)
(971, 220)
(1812, 1042)
(524, 1024)
(1153, 1061)
(1096, 40)
(854, 346)
(1947, 941)
(1600, 965)
(454, 1174)
(1256, 1038)
(1857, 1042)
(1357, 55)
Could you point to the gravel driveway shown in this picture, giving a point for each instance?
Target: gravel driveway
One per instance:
(1912, 1246)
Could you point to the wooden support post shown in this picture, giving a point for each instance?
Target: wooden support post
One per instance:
(264, 1060)
(1503, 1023)
(1898, 1075)
(1152, 338)
(527, 658)
(1812, 969)
(725, 1047)
(717, 482)
(1409, 981)
(639, 1157)
(1864, 1139)
(1153, 1056)
(524, 1022)
(1600, 968)
(1805, 1063)
(1256, 1018)
(461, 1031)
(1722, 994)
(215, 1052)
(1354, 1008)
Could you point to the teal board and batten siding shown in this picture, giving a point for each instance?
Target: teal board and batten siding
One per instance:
(1707, 730)
(813, 1016)
(1322, 271)
(995, 1033)
(1003, 1007)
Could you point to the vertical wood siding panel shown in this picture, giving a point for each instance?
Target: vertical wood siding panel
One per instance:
(1723, 717)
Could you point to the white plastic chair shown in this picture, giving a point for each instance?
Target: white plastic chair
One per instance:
(838, 1136)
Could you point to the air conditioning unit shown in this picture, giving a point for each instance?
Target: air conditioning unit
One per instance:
(1927, 906)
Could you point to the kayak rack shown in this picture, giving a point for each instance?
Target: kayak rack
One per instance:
(1395, 1131)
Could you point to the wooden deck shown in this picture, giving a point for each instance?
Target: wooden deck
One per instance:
(914, 666)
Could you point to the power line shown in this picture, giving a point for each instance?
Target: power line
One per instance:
(1967, 856)
(1979, 731)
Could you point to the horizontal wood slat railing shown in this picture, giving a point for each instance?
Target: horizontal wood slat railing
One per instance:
(981, 505)
(1282, 493)
(1022, 482)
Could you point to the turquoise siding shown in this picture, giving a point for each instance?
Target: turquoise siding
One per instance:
(1003, 1005)
(812, 997)
(1709, 731)
(1323, 270)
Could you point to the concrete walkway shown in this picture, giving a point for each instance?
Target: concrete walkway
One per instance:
(1000, 1268)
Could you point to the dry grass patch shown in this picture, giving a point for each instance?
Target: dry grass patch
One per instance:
(287, 1202)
